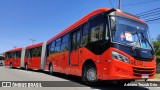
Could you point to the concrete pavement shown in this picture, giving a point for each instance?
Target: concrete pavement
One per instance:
(7, 74)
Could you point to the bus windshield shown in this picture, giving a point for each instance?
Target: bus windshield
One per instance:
(131, 32)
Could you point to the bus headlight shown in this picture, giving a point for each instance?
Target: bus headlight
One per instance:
(120, 57)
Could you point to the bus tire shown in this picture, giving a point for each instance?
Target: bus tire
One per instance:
(50, 69)
(90, 75)
(26, 66)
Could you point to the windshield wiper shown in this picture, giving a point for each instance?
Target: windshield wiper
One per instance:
(148, 42)
(133, 48)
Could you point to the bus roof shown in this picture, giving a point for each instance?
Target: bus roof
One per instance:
(129, 15)
(16, 49)
(78, 23)
(86, 18)
(34, 45)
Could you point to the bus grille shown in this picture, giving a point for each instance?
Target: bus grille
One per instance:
(139, 71)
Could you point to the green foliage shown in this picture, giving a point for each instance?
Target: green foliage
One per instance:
(157, 46)
(158, 61)
(157, 76)
(158, 38)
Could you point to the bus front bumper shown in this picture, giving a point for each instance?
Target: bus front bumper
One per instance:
(123, 71)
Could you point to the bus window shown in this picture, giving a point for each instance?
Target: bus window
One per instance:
(107, 32)
(58, 43)
(57, 49)
(34, 52)
(52, 47)
(96, 33)
(64, 45)
(13, 55)
(84, 35)
(6, 55)
(78, 39)
(18, 54)
(74, 41)
(27, 54)
(38, 51)
(65, 38)
(31, 53)
(48, 50)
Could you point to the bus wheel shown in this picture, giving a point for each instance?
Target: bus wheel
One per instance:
(50, 69)
(11, 65)
(90, 75)
(26, 66)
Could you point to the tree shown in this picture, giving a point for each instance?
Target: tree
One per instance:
(156, 44)
(157, 47)
(158, 38)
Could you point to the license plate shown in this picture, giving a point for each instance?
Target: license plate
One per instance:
(145, 75)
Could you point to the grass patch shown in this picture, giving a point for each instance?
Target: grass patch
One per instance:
(157, 56)
(157, 76)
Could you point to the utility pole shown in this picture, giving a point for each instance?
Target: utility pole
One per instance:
(32, 41)
(119, 4)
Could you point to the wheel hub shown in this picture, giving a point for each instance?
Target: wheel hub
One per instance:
(91, 75)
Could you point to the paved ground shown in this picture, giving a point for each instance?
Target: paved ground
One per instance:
(7, 74)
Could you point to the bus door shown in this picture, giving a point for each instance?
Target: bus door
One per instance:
(19, 58)
(34, 58)
(30, 58)
(74, 50)
(14, 59)
(37, 57)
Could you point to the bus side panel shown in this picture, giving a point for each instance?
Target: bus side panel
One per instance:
(36, 62)
(29, 61)
(85, 54)
(57, 62)
(13, 62)
(64, 61)
(7, 62)
(17, 62)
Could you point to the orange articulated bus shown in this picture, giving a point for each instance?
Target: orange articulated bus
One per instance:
(106, 44)
(13, 58)
(29, 57)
